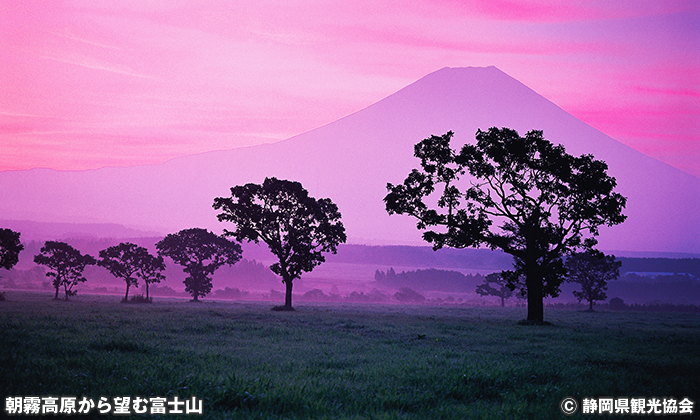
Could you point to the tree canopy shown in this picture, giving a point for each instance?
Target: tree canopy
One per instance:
(501, 290)
(296, 227)
(522, 195)
(66, 265)
(129, 261)
(150, 269)
(201, 253)
(592, 270)
(10, 247)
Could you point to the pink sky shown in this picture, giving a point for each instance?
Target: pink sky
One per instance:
(86, 84)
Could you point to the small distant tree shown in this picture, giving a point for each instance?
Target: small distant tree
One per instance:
(129, 261)
(592, 270)
(296, 227)
(500, 290)
(150, 269)
(65, 264)
(200, 253)
(122, 261)
(10, 248)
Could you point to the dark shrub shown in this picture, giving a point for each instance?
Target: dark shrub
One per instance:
(406, 295)
(617, 304)
(282, 308)
(138, 299)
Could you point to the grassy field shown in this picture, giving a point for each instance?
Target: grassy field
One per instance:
(328, 361)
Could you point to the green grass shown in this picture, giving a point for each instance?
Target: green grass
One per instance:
(328, 361)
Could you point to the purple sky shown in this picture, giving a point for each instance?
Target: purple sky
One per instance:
(86, 84)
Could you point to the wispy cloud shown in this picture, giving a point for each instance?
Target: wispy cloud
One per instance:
(94, 64)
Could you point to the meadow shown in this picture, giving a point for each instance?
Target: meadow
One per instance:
(342, 361)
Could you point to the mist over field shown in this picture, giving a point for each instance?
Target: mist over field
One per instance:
(443, 277)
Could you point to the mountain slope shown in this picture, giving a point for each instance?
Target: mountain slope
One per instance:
(352, 159)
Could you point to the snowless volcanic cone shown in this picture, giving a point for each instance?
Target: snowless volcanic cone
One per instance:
(352, 159)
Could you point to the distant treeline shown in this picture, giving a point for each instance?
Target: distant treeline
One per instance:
(660, 265)
(429, 280)
(422, 256)
(675, 289)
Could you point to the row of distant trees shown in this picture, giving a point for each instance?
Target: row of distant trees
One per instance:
(296, 227)
(132, 263)
(523, 195)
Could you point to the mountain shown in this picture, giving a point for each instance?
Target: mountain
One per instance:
(41, 231)
(352, 159)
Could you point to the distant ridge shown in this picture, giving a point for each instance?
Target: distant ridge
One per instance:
(43, 231)
(352, 159)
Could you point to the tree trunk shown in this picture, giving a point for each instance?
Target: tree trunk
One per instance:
(590, 305)
(535, 305)
(126, 296)
(288, 294)
(503, 302)
(146, 290)
(56, 296)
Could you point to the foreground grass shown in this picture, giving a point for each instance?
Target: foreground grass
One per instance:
(343, 361)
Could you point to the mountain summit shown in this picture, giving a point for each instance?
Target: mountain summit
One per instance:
(352, 159)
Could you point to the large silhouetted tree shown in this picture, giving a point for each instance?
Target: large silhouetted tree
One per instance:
(522, 195)
(10, 248)
(129, 261)
(200, 253)
(296, 227)
(501, 289)
(66, 265)
(592, 270)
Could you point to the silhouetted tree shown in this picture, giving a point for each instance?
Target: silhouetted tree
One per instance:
(201, 253)
(122, 261)
(544, 200)
(129, 261)
(150, 269)
(10, 247)
(501, 290)
(66, 265)
(296, 227)
(592, 270)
